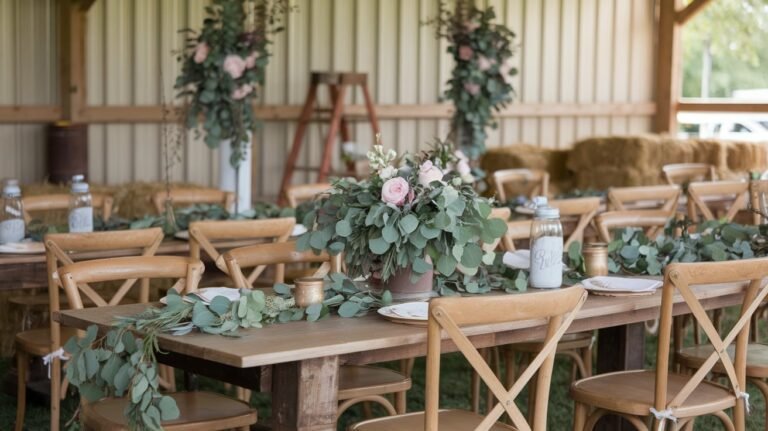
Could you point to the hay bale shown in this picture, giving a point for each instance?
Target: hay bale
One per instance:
(530, 157)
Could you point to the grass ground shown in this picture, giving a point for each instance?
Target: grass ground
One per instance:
(454, 389)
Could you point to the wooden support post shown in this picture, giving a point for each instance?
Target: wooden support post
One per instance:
(667, 67)
(689, 11)
(305, 395)
(72, 26)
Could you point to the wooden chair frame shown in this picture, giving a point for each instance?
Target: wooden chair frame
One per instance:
(758, 199)
(683, 173)
(450, 314)
(297, 194)
(202, 234)
(193, 196)
(583, 208)
(652, 220)
(58, 248)
(698, 191)
(679, 277)
(60, 201)
(621, 198)
(504, 176)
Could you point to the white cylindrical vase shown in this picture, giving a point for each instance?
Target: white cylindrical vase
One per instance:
(228, 175)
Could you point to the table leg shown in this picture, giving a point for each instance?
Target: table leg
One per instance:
(305, 395)
(619, 348)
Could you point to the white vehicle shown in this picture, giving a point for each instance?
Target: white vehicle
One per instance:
(729, 126)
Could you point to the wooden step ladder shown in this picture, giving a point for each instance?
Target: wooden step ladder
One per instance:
(338, 83)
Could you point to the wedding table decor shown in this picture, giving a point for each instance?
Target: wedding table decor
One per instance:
(410, 216)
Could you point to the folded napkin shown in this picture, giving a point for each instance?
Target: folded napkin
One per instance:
(408, 310)
(621, 284)
(22, 247)
(520, 259)
(207, 294)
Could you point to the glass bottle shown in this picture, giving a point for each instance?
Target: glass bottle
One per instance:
(80, 206)
(546, 249)
(11, 214)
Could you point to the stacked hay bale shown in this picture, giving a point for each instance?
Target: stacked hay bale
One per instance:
(621, 161)
(529, 157)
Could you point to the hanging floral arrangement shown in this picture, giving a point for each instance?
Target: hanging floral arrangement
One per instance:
(223, 67)
(480, 81)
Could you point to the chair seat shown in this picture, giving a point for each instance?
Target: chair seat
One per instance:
(363, 380)
(757, 358)
(38, 341)
(632, 392)
(199, 411)
(575, 341)
(449, 420)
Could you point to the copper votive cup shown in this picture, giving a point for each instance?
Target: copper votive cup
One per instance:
(308, 291)
(595, 258)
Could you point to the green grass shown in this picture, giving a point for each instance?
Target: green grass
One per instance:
(454, 392)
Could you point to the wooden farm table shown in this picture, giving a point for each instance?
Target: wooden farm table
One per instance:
(306, 355)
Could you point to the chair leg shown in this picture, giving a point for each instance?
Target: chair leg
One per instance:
(22, 364)
(726, 421)
(586, 359)
(475, 386)
(56, 394)
(579, 416)
(510, 366)
(401, 402)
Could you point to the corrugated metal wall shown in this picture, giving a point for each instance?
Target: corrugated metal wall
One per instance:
(585, 51)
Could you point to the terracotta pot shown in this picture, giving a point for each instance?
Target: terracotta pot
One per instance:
(401, 287)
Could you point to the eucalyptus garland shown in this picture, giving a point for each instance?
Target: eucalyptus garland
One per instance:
(123, 364)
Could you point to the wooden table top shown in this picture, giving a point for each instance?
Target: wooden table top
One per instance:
(372, 338)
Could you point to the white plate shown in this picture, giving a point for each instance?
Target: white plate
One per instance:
(182, 234)
(25, 247)
(297, 230)
(525, 210)
(620, 284)
(406, 311)
(208, 293)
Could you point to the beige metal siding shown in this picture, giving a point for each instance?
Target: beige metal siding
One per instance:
(570, 51)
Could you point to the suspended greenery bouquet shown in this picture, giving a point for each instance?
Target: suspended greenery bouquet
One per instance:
(480, 81)
(411, 213)
(123, 362)
(223, 67)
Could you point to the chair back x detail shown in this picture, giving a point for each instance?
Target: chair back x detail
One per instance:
(532, 182)
(583, 210)
(684, 173)
(558, 307)
(701, 194)
(679, 277)
(298, 194)
(204, 234)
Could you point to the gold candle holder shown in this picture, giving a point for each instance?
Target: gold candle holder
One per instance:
(308, 291)
(595, 258)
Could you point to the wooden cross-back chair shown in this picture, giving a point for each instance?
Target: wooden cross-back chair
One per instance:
(534, 181)
(449, 315)
(357, 383)
(684, 173)
(732, 195)
(60, 201)
(644, 197)
(758, 200)
(582, 209)
(60, 250)
(187, 197)
(203, 236)
(661, 395)
(220, 412)
(298, 194)
(651, 220)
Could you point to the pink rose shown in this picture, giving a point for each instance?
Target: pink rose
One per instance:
(250, 61)
(465, 52)
(201, 52)
(234, 65)
(472, 88)
(460, 155)
(504, 70)
(394, 191)
(242, 91)
(484, 63)
(428, 172)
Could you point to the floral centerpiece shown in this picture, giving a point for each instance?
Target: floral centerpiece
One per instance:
(479, 83)
(412, 214)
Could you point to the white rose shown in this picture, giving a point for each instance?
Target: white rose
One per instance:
(388, 173)
(463, 168)
(428, 173)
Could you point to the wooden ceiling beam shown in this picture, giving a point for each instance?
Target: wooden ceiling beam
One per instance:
(694, 7)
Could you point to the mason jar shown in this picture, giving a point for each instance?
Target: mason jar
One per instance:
(546, 249)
